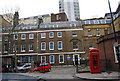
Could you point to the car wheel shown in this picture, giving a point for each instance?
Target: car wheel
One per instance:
(49, 70)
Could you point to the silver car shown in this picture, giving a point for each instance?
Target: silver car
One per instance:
(24, 67)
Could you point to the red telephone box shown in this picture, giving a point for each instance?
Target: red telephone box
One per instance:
(94, 61)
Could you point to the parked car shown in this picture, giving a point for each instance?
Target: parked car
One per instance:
(43, 67)
(24, 67)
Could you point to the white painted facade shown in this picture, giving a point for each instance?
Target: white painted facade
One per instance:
(71, 8)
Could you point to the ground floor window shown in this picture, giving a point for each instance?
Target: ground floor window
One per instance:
(30, 58)
(51, 59)
(61, 58)
(22, 59)
(43, 59)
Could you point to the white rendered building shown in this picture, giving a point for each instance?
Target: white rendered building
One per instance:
(71, 8)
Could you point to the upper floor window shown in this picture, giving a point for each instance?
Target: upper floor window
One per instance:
(97, 32)
(16, 37)
(30, 47)
(96, 21)
(74, 34)
(57, 17)
(59, 45)
(75, 45)
(51, 45)
(89, 32)
(6, 38)
(72, 25)
(31, 36)
(43, 46)
(51, 35)
(23, 48)
(106, 31)
(23, 36)
(87, 22)
(15, 48)
(90, 45)
(43, 35)
(59, 34)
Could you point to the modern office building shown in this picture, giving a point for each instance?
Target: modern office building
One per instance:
(71, 8)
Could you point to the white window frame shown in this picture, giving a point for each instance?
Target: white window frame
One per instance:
(59, 58)
(15, 38)
(43, 35)
(49, 46)
(52, 35)
(61, 45)
(116, 61)
(31, 35)
(53, 59)
(22, 36)
(58, 34)
(97, 32)
(45, 45)
(29, 47)
(41, 59)
(74, 35)
(88, 32)
(22, 48)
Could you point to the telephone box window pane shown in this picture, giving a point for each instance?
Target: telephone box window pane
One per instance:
(95, 61)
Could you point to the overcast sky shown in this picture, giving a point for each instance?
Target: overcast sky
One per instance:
(27, 8)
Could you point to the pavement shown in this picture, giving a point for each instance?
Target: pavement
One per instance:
(99, 76)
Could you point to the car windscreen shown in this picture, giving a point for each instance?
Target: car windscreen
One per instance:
(41, 65)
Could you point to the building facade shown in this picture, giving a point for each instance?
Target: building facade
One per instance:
(57, 43)
(93, 29)
(35, 19)
(58, 17)
(71, 8)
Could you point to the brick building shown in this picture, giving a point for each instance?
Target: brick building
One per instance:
(106, 45)
(52, 42)
(93, 29)
(59, 17)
